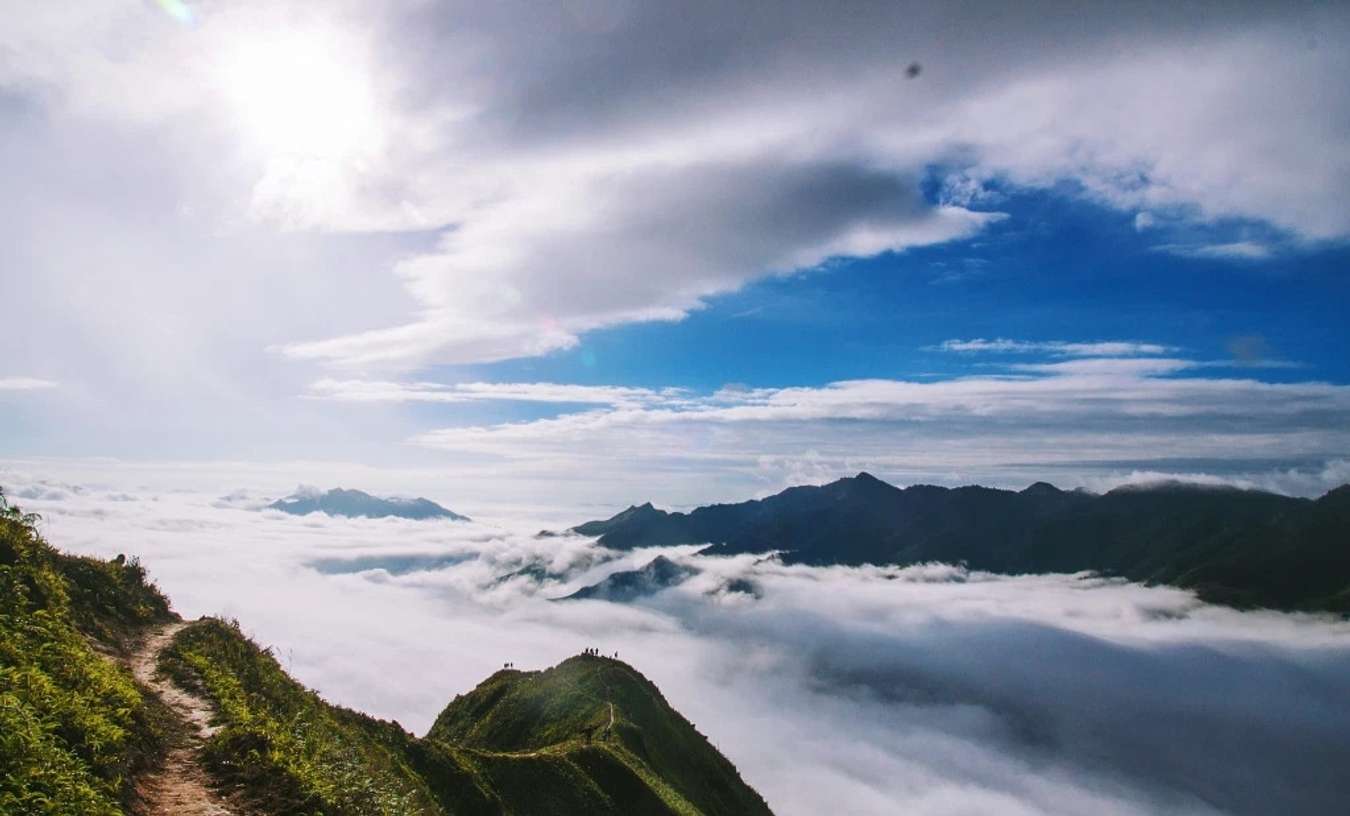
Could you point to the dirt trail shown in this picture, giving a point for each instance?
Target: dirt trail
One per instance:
(181, 787)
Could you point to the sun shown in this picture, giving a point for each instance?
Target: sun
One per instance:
(301, 96)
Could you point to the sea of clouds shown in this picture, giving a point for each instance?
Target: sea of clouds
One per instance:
(925, 690)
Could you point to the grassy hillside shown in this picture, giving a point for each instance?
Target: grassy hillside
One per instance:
(569, 706)
(74, 727)
(533, 744)
(282, 748)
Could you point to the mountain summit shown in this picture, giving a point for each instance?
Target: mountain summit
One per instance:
(591, 722)
(656, 575)
(358, 504)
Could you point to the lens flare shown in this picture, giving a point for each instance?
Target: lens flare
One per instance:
(178, 10)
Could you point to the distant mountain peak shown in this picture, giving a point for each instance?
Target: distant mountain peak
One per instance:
(654, 576)
(350, 503)
(1339, 492)
(1177, 486)
(1041, 489)
(1337, 497)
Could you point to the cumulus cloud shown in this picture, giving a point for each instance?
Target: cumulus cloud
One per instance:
(635, 245)
(606, 163)
(931, 688)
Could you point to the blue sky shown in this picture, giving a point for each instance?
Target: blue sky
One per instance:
(1057, 268)
(692, 253)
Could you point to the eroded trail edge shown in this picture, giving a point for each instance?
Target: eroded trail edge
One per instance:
(182, 786)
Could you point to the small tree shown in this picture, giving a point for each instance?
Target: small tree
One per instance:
(14, 514)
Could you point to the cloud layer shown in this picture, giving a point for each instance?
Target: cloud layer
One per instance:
(1091, 418)
(1064, 348)
(931, 688)
(607, 162)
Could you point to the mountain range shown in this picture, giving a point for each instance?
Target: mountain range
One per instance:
(1243, 548)
(358, 504)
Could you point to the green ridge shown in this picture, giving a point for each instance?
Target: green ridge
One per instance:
(74, 727)
(569, 704)
(521, 743)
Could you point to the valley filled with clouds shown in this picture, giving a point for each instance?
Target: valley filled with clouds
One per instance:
(953, 691)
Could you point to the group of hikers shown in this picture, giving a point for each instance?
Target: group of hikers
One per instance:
(592, 652)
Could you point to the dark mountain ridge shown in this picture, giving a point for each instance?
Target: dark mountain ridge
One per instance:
(1233, 546)
(654, 576)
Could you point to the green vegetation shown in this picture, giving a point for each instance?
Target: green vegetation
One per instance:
(74, 727)
(564, 712)
(281, 747)
(521, 743)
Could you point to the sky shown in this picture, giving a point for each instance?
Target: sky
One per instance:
(538, 262)
(694, 253)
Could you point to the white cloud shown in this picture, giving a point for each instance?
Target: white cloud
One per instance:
(1235, 251)
(529, 276)
(25, 384)
(387, 391)
(1055, 347)
(1078, 417)
(585, 174)
(1110, 366)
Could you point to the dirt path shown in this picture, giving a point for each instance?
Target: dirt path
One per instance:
(181, 787)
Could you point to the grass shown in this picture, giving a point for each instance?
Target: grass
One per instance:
(283, 748)
(529, 743)
(74, 727)
(567, 708)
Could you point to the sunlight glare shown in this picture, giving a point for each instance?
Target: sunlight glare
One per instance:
(302, 95)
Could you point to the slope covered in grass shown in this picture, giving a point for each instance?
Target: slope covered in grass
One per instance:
(521, 743)
(74, 727)
(282, 748)
(590, 703)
